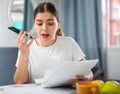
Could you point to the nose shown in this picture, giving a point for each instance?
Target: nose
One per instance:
(44, 27)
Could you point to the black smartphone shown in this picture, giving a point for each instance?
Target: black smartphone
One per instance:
(16, 30)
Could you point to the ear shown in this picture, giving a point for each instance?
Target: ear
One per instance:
(58, 24)
(33, 21)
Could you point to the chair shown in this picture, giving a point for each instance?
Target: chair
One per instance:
(97, 73)
(8, 58)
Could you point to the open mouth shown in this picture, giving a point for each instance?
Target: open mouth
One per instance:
(45, 35)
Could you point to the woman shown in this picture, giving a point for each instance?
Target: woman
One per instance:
(50, 49)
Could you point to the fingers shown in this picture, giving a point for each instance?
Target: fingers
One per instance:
(27, 41)
(19, 36)
(31, 41)
(24, 40)
(81, 77)
(73, 81)
(78, 79)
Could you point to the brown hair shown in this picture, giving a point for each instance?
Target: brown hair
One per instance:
(48, 7)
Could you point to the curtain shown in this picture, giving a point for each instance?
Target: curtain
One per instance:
(28, 15)
(81, 19)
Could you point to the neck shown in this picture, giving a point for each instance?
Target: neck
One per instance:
(45, 43)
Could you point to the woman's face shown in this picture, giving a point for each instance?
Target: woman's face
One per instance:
(46, 26)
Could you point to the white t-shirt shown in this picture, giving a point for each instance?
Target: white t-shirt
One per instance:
(42, 58)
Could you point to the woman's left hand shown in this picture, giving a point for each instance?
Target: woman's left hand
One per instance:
(87, 77)
(78, 79)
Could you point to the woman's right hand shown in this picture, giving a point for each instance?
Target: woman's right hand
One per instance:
(21, 74)
(23, 43)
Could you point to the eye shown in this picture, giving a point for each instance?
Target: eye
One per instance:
(50, 24)
(40, 24)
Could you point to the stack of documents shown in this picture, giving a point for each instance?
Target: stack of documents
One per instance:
(61, 75)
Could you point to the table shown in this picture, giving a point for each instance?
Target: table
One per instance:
(34, 89)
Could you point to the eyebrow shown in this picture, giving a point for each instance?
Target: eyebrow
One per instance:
(47, 20)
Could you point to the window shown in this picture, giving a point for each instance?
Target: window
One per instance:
(17, 13)
(111, 22)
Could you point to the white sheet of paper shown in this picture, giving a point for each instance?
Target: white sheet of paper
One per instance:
(59, 76)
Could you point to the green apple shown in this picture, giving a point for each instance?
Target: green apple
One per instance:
(110, 87)
(112, 81)
(100, 83)
(119, 88)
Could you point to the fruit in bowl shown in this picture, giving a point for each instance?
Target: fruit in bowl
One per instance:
(110, 87)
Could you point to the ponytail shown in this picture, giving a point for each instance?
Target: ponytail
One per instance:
(59, 32)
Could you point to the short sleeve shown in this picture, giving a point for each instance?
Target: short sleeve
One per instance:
(77, 52)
